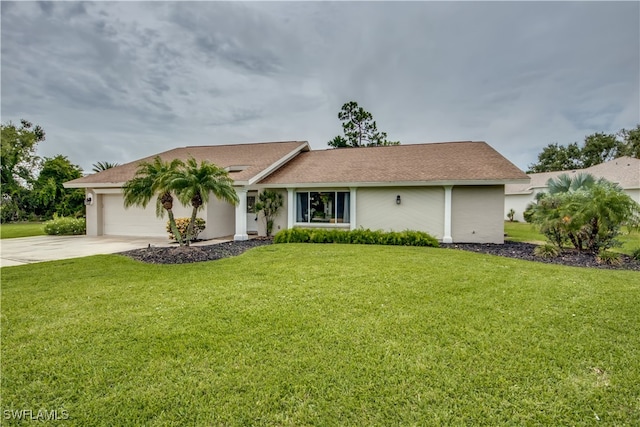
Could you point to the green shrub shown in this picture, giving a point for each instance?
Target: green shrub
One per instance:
(358, 236)
(65, 226)
(546, 251)
(635, 254)
(608, 258)
(183, 223)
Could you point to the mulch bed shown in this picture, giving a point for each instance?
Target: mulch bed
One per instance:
(524, 251)
(188, 254)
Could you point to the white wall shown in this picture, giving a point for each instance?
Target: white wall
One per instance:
(421, 208)
(220, 219)
(280, 221)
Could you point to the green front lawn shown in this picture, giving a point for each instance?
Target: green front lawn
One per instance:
(525, 232)
(307, 334)
(21, 229)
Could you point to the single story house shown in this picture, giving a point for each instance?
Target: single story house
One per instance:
(624, 171)
(452, 190)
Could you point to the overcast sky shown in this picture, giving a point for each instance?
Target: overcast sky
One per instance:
(117, 81)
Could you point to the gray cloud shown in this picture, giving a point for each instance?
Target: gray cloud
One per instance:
(116, 81)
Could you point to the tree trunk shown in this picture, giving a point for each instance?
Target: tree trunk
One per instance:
(196, 202)
(174, 227)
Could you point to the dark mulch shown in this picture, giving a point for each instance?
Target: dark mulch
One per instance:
(183, 255)
(525, 251)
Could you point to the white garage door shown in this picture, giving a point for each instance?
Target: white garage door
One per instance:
(134, 221)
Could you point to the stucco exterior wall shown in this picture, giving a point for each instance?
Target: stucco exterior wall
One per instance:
(421, 208)
(517, 202)
(220, 217)
(280, 221)
(476, 214)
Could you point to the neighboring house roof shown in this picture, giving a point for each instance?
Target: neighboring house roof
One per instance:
(247, 163)
(446, 162)
(624, 171)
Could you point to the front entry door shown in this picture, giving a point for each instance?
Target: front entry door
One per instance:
(252, 223)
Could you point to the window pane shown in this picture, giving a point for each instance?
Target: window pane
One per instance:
(342, 207)
(302, 207)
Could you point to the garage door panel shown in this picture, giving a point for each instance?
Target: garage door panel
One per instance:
(134, 221)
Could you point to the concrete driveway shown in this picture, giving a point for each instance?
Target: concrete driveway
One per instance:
(27, 250)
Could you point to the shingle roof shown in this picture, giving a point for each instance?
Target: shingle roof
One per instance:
(447, 161)
(624, 171)
(253, 159)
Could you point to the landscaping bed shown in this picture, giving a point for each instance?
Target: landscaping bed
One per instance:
(518, 250)
(524, 251)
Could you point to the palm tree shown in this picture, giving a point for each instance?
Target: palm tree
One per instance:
(566, 184)
(103, 166)
(194, 183)
(155, 179)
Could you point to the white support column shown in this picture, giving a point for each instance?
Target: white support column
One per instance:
(241, 216)
(291, 207)
(446, 238)
(352, 208)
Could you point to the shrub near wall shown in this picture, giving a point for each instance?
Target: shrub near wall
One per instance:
(359, 236)
(65, 226)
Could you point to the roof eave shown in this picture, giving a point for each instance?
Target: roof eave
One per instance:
(434, 183)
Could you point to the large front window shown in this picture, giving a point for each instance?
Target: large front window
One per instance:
(322, 207)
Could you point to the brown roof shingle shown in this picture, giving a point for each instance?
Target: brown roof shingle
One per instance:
(254, 158)
(447, 161)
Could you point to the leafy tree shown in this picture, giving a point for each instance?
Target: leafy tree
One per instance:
(18, 162)
(556, 157)
(155, 179)
(194, 182)
(360, 130)
(103, 166)
(269, 203)
(586, 212)
(18, 148)
(597, 148)
(630, 142)
(49, 195)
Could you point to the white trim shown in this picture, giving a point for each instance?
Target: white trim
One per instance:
(274, 166)
(332, 185)
(352, 207)
(344, 225)
(241, 216)
(291, 207)
(446, 236)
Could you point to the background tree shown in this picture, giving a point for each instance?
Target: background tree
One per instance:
(18, 163)
(154, 179)
(360, 130)
(49, 195)
(269, 203)
(194, 183)
(630, 142)
(597, 148)
(556, 157)
(103, 166)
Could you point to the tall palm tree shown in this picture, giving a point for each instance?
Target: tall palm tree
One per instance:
(103, 166)
(155, 179)
(195, 182)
